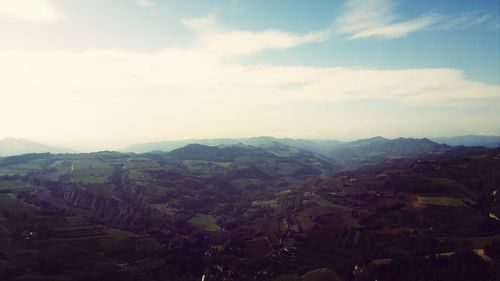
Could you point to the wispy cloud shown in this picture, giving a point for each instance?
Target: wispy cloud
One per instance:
(207, 70)
(211, 37)
(203, 89)
(378, 19)
(145, 3)
(469, 19)
(44, 11)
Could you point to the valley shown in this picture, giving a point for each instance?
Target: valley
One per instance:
(241, 212)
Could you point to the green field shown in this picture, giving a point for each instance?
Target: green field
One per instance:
(90, 179)
(20, 169)
(90, 164)
(120, 234)
(13, 185)
(271, 203)
(205, 222)
(440, 201)
(164, 209)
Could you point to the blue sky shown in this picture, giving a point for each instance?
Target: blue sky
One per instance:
(145, 70)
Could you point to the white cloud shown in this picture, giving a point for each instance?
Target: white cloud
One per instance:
(378, 19)
(211, 37)
(468, 19)
(200, 91)
(394, 30)
(44, 11)
(145, 3)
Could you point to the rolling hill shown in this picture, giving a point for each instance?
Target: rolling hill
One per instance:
(375, 150)
(317, 146)
(240, 212)
(16, 146)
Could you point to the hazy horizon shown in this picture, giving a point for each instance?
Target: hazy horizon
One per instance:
(124, 146)
(96, 74)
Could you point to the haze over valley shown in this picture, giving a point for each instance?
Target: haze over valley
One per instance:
(325, 140)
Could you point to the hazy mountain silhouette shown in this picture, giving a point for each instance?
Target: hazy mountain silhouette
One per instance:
(15, 146)
(486, 141)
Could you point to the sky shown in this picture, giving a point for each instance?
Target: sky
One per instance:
(105, 74)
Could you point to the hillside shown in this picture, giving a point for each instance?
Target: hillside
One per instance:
(16, 146)
(345, 155)
(375, 150)
(317, 146)
(243, 212)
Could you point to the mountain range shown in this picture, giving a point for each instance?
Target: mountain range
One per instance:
(317, 146)
(327, 155)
